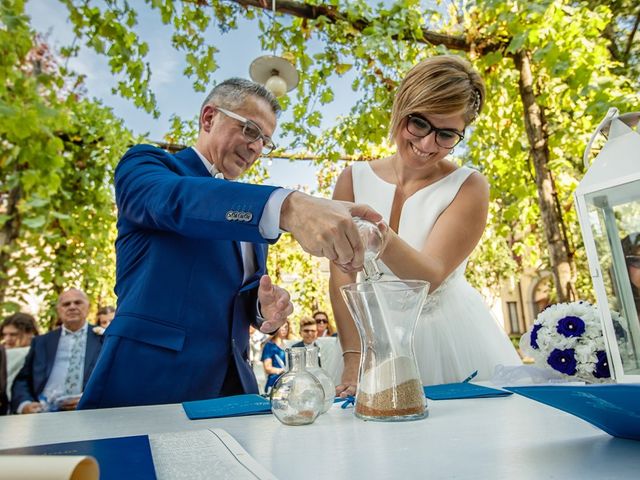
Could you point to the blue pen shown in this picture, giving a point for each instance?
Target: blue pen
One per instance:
(348, 401)
(470, 377)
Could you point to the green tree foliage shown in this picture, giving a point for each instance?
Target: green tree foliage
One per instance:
(57, 155)
(301, 274)
(552, 69)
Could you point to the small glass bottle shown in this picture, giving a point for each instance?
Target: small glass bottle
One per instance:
(313, 367)
(372, 239)
(297, 397)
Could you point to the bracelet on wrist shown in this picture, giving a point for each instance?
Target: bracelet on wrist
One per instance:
(351, 351)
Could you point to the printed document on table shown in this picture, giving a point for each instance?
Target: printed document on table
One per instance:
(203, 454)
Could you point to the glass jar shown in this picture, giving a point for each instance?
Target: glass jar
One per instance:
(313, 367)
(386, 313)
(297, 397)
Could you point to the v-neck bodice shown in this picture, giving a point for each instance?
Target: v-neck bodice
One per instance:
(419, 212)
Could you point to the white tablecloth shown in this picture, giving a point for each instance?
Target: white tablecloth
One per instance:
(492, 438)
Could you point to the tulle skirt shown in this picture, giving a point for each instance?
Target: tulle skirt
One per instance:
(457, 335)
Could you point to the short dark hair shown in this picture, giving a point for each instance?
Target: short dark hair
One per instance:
(23, 322)
(106, 310)
(233, 92)
(320, 312)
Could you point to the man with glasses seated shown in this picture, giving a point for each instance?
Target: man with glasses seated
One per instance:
(309, 334)
(191, 255)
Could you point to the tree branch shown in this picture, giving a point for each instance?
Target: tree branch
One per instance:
(313, 12)
(631, 35)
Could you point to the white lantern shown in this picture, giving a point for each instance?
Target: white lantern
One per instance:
(608, 206)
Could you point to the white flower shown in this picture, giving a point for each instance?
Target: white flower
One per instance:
(586, 354)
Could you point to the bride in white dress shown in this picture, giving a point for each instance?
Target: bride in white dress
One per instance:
(437, 213)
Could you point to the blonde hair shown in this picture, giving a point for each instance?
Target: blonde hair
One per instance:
(306, 321)
(446, 84)
(274, 335)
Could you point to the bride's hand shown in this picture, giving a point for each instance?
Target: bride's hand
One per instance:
(386, 235)
(349, 381)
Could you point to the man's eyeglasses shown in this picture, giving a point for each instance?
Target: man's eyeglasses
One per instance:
(633, 260)
(251, 131)
(322, 320)
(421, 127)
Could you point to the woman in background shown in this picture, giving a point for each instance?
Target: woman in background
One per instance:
(273, 355)
(322, 322)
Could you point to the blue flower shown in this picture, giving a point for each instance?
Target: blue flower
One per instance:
(534, 336)
(602, 365)
(571, 326)
(563, 361)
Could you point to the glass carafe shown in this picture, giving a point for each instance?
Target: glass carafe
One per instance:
(297, 397)
(386, 314)
(313, 367)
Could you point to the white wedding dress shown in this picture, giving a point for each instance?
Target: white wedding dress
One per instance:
(456, 333)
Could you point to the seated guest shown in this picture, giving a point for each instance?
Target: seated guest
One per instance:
(256, 344)
(59, 363)
(103, 319)
(18, 330)
(105, 315)
(309, 333)
(322, 322)
(273, 356)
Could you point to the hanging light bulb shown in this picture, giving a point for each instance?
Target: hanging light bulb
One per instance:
(277, 74)
(276, 84)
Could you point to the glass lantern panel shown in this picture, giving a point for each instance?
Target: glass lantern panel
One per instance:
(614, 218)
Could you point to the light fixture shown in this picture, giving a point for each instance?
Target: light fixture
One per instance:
(277, 74)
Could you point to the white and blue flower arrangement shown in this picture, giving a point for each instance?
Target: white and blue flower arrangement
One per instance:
(567, 337)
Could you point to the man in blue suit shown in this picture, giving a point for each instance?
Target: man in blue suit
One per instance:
(191, 251)
(48, 370)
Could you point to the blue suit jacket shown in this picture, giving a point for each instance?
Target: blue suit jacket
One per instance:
(32, 378)
(183, 310)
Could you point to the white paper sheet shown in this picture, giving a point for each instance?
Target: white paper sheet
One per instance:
(203, 454)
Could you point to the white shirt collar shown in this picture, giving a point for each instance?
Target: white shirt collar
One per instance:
(66, 331)
(211, 168)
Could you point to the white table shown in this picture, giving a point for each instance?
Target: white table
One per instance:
(492, 438)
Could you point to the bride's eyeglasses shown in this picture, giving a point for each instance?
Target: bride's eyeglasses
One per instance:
(251, 131)
(421, 127)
